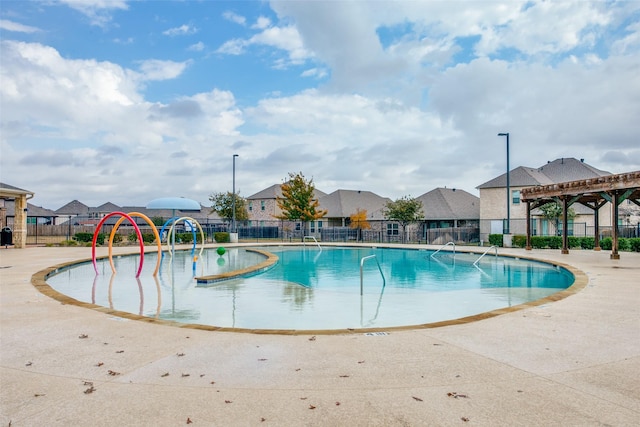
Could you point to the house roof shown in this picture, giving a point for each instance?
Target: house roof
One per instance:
(106, 207)
(559, 170)
(73, 208)
(344, 203)
(275, 191)
(32, 210)
(450, 203)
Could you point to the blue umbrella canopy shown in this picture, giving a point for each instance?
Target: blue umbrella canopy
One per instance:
(177, 203)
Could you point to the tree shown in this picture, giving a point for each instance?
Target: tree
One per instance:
(404, 210)
(297, 202)
(552, 212)
(222, 204)
(358, 220)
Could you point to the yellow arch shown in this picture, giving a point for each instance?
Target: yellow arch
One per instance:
(155, 232)
(201, 235)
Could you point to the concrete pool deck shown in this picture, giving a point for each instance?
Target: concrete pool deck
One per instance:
(574, 362)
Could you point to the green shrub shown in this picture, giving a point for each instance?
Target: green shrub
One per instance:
(117, 238)
(132, 237)
(587, 242)
(88, 238)
(83, 237)
(624, 244)
(223, 237)
(494, 239)
(574, 242)
(519, 241)
(606, 243)
(148, 238)
(635, 244)
(184, 237)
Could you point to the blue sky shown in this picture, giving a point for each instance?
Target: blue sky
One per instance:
(128, 101)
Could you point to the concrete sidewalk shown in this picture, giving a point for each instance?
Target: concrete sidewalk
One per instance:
(574, 362)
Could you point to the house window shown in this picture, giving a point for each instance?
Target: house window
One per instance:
(392, 230)
(319, 225)
(312, 225)
(250, 206)
(515, 197)
(262, 205)
(297, 226)
(569, 228)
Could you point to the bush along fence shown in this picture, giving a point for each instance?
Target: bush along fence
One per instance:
(631, 244)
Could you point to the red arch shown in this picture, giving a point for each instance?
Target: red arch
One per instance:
(95, 238)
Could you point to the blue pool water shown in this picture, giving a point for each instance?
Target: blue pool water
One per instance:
(311, 288)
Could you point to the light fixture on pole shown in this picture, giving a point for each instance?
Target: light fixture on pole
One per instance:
(507, 228)
(233, 197)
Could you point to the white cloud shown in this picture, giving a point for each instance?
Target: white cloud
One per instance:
(262, 23)
(196, 47)
(282, 38)
(156, 69)
(234, 17)
(17, 27)
(98, 11)
(182, 30)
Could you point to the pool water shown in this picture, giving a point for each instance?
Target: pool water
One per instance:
(311, 288)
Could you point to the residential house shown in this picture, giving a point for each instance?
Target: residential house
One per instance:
(73, 209)
(450, 214)
(263, 208)
(493, 199)
(342, 204)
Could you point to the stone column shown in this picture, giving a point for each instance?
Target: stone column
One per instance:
(20, 222)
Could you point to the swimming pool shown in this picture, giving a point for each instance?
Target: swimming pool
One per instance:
(313, 288)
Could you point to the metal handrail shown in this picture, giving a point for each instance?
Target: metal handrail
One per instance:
(362, 260)
(485, 252)
(443, 246)
(304, 241)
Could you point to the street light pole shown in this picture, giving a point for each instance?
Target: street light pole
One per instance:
(233, 197)
(507, 229)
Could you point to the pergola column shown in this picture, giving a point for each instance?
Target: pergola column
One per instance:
(565, 225)
(20, 222)
(614, 225)
(528, 245)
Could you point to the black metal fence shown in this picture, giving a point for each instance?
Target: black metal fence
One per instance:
(416, 233)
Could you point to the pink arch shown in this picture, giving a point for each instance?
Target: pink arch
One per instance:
(95, 238)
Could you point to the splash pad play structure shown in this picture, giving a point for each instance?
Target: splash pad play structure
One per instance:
(173, 203)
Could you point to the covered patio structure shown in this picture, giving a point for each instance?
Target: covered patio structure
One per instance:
(20, 196)
(593, 193)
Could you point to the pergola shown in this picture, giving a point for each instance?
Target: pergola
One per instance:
(592, 193)
(20, 215)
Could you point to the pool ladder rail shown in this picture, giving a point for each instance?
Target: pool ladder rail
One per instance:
(304, 241)
(362, 260)
(444, 246)
(475, 263)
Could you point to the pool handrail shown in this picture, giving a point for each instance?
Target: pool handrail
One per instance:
(304, 241)
(445, 245)
(362, 260)
(485, 252)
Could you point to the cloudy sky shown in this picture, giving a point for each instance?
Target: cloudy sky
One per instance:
(127, 101)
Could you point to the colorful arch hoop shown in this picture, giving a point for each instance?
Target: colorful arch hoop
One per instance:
(95, 238)
(188, 218)
(155, 232)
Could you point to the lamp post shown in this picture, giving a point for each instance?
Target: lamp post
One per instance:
(233, 197)
(508, 226)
